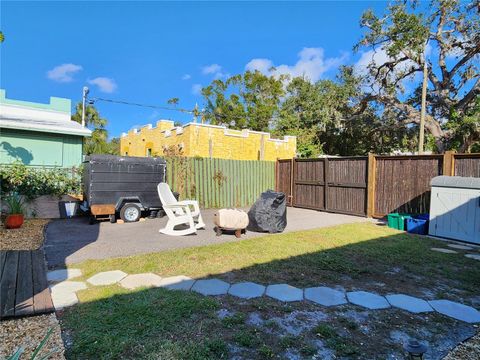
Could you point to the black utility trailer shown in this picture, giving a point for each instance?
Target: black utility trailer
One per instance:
(123, 185)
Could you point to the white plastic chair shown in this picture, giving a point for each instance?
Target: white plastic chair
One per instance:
(179, 212)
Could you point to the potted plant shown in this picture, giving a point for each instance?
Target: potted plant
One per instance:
(16, 211)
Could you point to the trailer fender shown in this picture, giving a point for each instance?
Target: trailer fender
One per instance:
(130, 199)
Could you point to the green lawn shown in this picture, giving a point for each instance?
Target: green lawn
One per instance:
(111, 322)
(364, 252)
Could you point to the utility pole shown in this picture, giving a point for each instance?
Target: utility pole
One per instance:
(195, 113)
(84, 99)
(424, 104)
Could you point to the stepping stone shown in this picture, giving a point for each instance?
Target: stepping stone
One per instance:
(180, 282)
(473, 256)
(368, 300)
(140, 281)
(284, 292)
(445, 251)
(247, 290)
(63, 299)
(409, 303)
(325, 296)
(460, 247)
(107, 277)
(457, 311)
(63, 274)
(68, 286)
(211, 287)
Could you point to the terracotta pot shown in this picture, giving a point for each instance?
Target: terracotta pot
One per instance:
(14, 221)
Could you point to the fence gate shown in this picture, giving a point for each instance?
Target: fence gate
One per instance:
(331, 184)
(283, 178)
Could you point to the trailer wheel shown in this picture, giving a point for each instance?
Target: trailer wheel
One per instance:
(112, 218)
(130, 212)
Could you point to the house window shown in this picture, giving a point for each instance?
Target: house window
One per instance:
(149, 152)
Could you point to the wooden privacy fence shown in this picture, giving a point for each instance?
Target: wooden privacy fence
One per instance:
(218, 183)
(331, 184)
(370, 186)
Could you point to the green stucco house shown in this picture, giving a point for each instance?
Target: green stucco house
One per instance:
(41, 135)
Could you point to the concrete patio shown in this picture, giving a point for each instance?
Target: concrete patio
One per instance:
(70, 241)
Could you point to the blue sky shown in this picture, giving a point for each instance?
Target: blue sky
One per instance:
(148, 52)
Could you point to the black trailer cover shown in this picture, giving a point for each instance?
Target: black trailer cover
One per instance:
(108, 178)
(269, 213)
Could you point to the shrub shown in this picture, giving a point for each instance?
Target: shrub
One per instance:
(32, 182)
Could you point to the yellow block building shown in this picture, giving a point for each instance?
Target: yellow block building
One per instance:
(204, 140)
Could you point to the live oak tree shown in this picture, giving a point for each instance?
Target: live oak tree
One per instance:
(449, 39)
(322, 117)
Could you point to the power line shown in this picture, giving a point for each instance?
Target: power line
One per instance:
(93, 100)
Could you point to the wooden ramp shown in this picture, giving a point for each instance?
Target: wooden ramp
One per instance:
(23, 284)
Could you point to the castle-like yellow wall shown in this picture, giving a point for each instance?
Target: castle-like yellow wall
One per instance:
(205, 140)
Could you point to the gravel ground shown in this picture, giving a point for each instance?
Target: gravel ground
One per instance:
(28, 237)
(469, 350)
(28, 332)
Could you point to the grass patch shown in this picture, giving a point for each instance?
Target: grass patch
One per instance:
(342, 346)
(111, 322)
(114, 323)
(288, 341)
(234, 320)
(266, 352)
(246, 338)
(362, 252)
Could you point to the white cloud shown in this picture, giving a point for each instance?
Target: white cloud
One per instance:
(262, 65)
(380, 57)
(63, 73)
(196, 89)
(215, 70)
(186, 77)
(106, 85)
(311, 64)
(211, 69)
(377, 57)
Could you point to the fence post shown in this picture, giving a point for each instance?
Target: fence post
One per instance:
(371, 185)
(276, 175)
(292, 177)
(326, 177)
(449, 163)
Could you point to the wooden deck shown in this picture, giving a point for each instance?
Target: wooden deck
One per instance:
(23, 284)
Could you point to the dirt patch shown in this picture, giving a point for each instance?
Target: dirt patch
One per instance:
(303, 331)
(28, 333)
(28, 237)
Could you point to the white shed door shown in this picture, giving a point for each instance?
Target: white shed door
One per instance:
(455, 214)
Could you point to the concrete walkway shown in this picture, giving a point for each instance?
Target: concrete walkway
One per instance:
(70, 241)
(64, 293)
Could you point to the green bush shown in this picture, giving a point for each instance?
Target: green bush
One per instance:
(32, 182)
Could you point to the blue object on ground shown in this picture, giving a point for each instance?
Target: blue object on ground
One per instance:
(418, 224)
(422, 216)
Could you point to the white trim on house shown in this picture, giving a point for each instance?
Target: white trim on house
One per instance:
(32, 119)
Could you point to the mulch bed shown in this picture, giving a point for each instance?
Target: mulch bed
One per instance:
(27, 333)
(469, 350)
(28, 237)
